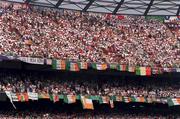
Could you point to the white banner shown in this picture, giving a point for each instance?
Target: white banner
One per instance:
(33, 96)
(14, 97)
(32, 60)
(172, 18)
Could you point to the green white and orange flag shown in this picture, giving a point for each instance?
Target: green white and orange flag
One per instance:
(69, 99)
(126, 99)
(131, 68)
(121, 67)
(22, 97)
(174, 101)
(138, 99)
(54, 97)
(59, 64)
(99, 66)
(71, 66)
(113, 66)
(83, 65)
(43, 96)
(143, 71)
(87, 103)
(104, 100)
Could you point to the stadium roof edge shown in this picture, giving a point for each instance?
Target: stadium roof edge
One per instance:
(117, 7)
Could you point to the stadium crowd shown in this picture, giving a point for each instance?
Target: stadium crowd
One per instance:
(35, 115)
(70, 35)
(34, 82)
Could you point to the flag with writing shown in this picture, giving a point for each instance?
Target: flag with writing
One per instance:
(14, 97)
(33, 96)
(87, 103)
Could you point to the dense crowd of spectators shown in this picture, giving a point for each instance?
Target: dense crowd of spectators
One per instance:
(39, 83)
(36, 115)
(50, 33)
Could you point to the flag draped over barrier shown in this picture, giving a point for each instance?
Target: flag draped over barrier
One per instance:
(70, 99)
(174, 101)
(143, 71)
(83, 65)
(33, 96)
(87, 101)
(77, 66)
(71, 66)
(59, 64)
(138, 99)
(99, 66)
(121, 67)
(54, 97)
(138, 70)
(104, 100)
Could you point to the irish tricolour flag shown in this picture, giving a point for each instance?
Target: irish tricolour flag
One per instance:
(70, 99)
(138, 99)
(87, 103)
(71, 66)
(99, 66)
(104, 100)
(174, 101)
(143, 71)
(59, 64)
(126, 99)
(83, 65)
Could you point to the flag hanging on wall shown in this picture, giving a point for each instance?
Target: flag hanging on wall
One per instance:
(22, 97)
(70, 99)
(99, 66)
(71, 66)
(54, 97)
(121, 67)
(143, 71)
(87, 103)
(174, 101)
(83, 65)
(59, 64)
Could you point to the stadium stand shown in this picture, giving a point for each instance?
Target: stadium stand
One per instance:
(63, 64)
(69, 35)
(41, 83)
